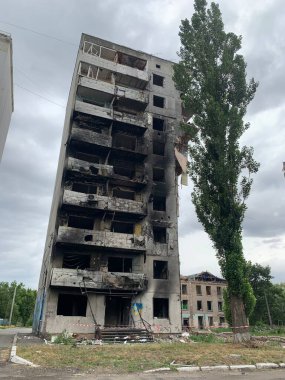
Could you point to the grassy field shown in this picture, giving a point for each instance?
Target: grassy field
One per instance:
(125, 358)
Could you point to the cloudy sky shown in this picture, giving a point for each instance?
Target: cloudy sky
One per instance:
(46, 35)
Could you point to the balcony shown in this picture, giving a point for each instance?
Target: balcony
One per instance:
(107, 239)
(101, 202)
(90, 137)
(109, 113)
(89, 168)
(98, 280)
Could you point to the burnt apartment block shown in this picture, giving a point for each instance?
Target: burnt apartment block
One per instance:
(111, 255)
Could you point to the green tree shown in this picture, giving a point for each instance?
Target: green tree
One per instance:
(212, 79)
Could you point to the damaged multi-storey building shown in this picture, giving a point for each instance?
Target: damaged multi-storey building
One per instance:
(111, 255)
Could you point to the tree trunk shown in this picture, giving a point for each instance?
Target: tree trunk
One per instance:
(239, 320)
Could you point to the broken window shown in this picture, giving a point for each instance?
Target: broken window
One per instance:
(198, 290)
(158, 148)
(76, 261)
(159, 203)
(80, 222)
(158, 124)
(157, 66)
(157, 80)
(87, 157)
(158, 174)
(209, 305)
(84, 188)
(221, 321)
(159, 235)
(210, 321)
(122, 227)
(184, 304)
(185, 322)
(219, 290)
(184, 289)
(120, 264)
(123, 167)
(71, 305)
(208, 290)
(125, 194)
(160, 308)
(124, 141)
(220, 306)
(199, 305)
(200, 322)
(158, 101)
(160, 269)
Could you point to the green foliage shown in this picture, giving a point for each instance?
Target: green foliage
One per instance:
(64, 338)
(24, 303)
(206, 338)
(212, 78)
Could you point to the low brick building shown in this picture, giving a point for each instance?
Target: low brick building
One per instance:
(202, 301)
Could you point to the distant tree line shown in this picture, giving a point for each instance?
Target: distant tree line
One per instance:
(23, 306)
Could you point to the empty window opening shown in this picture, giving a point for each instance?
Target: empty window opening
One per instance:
(209, 305)
(159, 235)
(125, 194)
(158, 148)
(123, 167)
(75, 261)
(184, 304)
(124, 141)
(71, 305)
(158, 174)
(87, 157)
(80, 222)
(199, 305)
(88, 237)
(200, 322)
(157, 66)
(208, 290)
(123, 227)
(159, 203)
(219, 291)
(198, 290)
(221, 321)
(220, 306)
(160, 308)
(120, 264)
(84, 188)
(157, 80)
(185, 322)
(184, 289)
(160, 269)
(158, 101)
(158, 124)
(210, 321)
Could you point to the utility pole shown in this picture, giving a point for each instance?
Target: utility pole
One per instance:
(268, 310)
(12, 306)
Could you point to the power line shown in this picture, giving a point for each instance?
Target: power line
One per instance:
(40, 96)
(38, 33)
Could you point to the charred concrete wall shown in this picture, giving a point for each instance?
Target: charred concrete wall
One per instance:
(111, 255)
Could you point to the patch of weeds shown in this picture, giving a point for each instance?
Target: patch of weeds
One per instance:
(64, 338)
(206, 338)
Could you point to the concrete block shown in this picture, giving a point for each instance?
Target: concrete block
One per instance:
(281, 365)
(266, 365)
(247, 367)
(188, 369)
(157, 370)
(215, 368)
(18, 360)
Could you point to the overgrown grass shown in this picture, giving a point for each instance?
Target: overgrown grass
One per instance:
(266, 330)
(135, 357)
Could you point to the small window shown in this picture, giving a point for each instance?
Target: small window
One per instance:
(219, 291)
(157, 80)
(159, 235)
(160, 308)
(122, 227)
(209, 305)
(198, 290)
(211, 321)
(184, 289)
(158, 101)
(81, 222)
(157, 66)
(158, 124)
(120, 264)
(199, 305)
(158, 148)
(220, 306)
(160, 269)
(72, 305)
(184, 304)
(208, 290)
(158, 174)
(159, 203)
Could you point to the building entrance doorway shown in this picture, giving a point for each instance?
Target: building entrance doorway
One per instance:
(117, 311)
